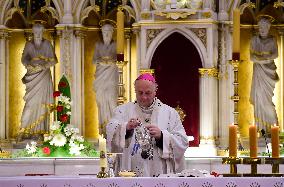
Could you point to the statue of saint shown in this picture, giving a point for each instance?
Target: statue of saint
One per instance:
(263, 51)
(38, 56)
(106, 76)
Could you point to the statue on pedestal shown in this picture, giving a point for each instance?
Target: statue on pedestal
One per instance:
(263, 51)
(38, 56)
(106, 76)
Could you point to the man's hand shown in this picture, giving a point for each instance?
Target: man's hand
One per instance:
(154, 131)
(132, 124)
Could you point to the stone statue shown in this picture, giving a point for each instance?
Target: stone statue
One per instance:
(38, 56)
(263, 51)
(106, 77)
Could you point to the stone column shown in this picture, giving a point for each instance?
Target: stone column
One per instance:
(4, 65)
(68, 17)
(127, 77)
(208, 109)
(71, 62)
(78, 80)
(225, 88)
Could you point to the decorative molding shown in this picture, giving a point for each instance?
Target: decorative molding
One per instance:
(210, 72)
(86, 11)
(175, 15)
(4, 34)
(152, 34)
(201, 34)
(79, 33)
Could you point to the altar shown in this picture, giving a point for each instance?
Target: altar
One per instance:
(91, 181)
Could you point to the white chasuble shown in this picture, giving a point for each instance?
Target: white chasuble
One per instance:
(168, 159)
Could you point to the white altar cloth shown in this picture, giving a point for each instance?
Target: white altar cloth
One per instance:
(92, 181)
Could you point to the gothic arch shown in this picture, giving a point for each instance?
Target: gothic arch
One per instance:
(81, 5)
(6, 5)
(185, 32)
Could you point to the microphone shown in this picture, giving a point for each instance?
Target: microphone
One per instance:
(264, 135)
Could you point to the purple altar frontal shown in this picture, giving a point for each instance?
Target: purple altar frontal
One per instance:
(92, 181)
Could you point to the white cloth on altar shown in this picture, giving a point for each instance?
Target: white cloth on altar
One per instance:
(167, 160)
(39, 86)
(263, 51)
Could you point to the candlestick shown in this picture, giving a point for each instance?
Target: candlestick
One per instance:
(233, 140)
(275, 141)
(102, 149)
(236, 34)
(120, 31)
(253, 141)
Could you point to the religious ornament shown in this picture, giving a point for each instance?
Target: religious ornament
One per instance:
(143, 140)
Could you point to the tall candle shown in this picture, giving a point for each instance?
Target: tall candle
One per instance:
(233, 140)
(236, 34)
(253, 141)
(120, 32)
(275, 141)
(102, 149)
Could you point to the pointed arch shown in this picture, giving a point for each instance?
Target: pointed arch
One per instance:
(6, 4)
(183, 31)
(82, 4)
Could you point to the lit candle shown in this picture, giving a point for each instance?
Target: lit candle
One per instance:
(253, 141)
(236, 34)
(233, 140)
(275, 141)
(120, 32)
(102, 149)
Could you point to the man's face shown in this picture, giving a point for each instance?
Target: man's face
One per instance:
(37, 35)
(145, 92)
(107, 36)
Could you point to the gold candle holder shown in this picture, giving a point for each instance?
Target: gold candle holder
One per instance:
(236, 97)
(102, 173)
(253, 163)
(275, 164)
(233, 161)
(121, 98)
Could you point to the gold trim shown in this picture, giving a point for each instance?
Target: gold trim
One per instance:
(40, 57)
(181, 113)
(210, 72)
(152, 71)
(31, 126)
(5, 154)
(270, 18)
(145, 15)
(207, 14)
